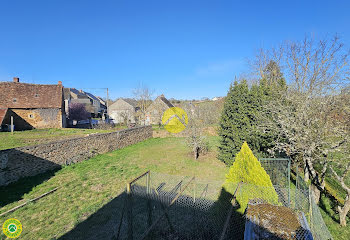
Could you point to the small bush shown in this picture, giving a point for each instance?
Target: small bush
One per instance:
(257, 183)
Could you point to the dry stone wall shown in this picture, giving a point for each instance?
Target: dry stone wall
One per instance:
(21, 162)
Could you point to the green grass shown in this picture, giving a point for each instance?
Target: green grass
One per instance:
(327, 207)
(37, 136)
(331, 218)
(87, 186)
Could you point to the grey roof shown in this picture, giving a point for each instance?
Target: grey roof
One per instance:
(78, 93)
(166, 101)
(91, 96)
(66, 93)
(131, 101)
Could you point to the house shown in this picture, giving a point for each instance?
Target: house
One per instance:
(31, 105)
(103, 106)
(92, 103)
(216, 98)
(124, 111)
(155, 111)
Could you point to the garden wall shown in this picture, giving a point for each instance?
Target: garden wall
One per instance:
(21, 162)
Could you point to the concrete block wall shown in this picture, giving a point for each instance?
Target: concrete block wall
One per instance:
(21, 162)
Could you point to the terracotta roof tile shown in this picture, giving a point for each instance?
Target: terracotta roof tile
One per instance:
(2, 114)
(24, 95)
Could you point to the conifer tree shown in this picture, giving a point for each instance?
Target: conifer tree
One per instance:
(256, 182)
(243, 109)
(234, 121)
(247, 169)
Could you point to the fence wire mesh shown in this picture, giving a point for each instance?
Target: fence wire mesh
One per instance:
(305, 202)
(161, 206)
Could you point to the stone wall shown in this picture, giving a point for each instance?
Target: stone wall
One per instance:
(37, 118)
(20, 162)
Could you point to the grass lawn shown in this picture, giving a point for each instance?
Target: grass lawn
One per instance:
(37, 136)
(87, 186)
(327, 207)
(331, 218)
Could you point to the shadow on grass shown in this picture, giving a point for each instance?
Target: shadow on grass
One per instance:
(331, 206)
(187, 218)
(14, 191)
(21, 172)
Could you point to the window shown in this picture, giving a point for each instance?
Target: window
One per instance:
(36, 95)
(14, 100)
(31, 116)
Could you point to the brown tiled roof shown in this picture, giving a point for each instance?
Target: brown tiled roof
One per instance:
(2, 114)
(24, 95)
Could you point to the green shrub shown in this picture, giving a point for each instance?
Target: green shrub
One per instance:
(256, 182)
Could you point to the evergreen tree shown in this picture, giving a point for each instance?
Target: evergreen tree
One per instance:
(242, 109)
(256, 182)
(234, 121)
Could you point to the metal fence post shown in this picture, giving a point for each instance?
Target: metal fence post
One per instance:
(296, 185)
(194, 191)
(129, 210)
(310, 208)
(149, 205)
(288, 182)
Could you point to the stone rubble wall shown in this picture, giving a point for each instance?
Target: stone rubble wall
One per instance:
(27, 161)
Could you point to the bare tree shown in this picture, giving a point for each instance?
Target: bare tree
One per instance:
(125, 116)
(195, 138)
(340, 166)
(143, 95)
(316, 71)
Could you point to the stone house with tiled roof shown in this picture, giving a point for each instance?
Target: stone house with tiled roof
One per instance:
(124, 110)
(32, 105)
(92, 104)
(155, 111)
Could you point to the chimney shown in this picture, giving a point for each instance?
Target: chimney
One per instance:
(81, 91)
(16, 79)
(59, 82)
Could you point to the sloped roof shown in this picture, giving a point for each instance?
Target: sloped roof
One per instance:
(166, 101)
(78, 93)
(103, 102)
(131, 101)
(123, 103)
(25, 95)
(3, 112)
(66, 93)
(90, 95)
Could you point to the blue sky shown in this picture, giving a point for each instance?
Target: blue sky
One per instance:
(184, 49)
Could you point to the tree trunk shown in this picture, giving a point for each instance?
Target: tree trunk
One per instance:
(343, 211)
(196, 152)
(314, 180)
(306, 172)
(316, 193)
(323, 176)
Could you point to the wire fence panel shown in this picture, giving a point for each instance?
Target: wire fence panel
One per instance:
(318, 226)
(161, 206)
(278, 170)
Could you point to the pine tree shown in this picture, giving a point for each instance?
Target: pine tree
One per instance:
(242, 109)
(234, 121)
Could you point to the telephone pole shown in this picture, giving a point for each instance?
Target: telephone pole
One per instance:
(107, 105)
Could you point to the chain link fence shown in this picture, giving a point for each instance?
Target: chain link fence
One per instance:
(304, 202)
(161, 206)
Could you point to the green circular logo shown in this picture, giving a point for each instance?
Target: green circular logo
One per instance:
(12, 228)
